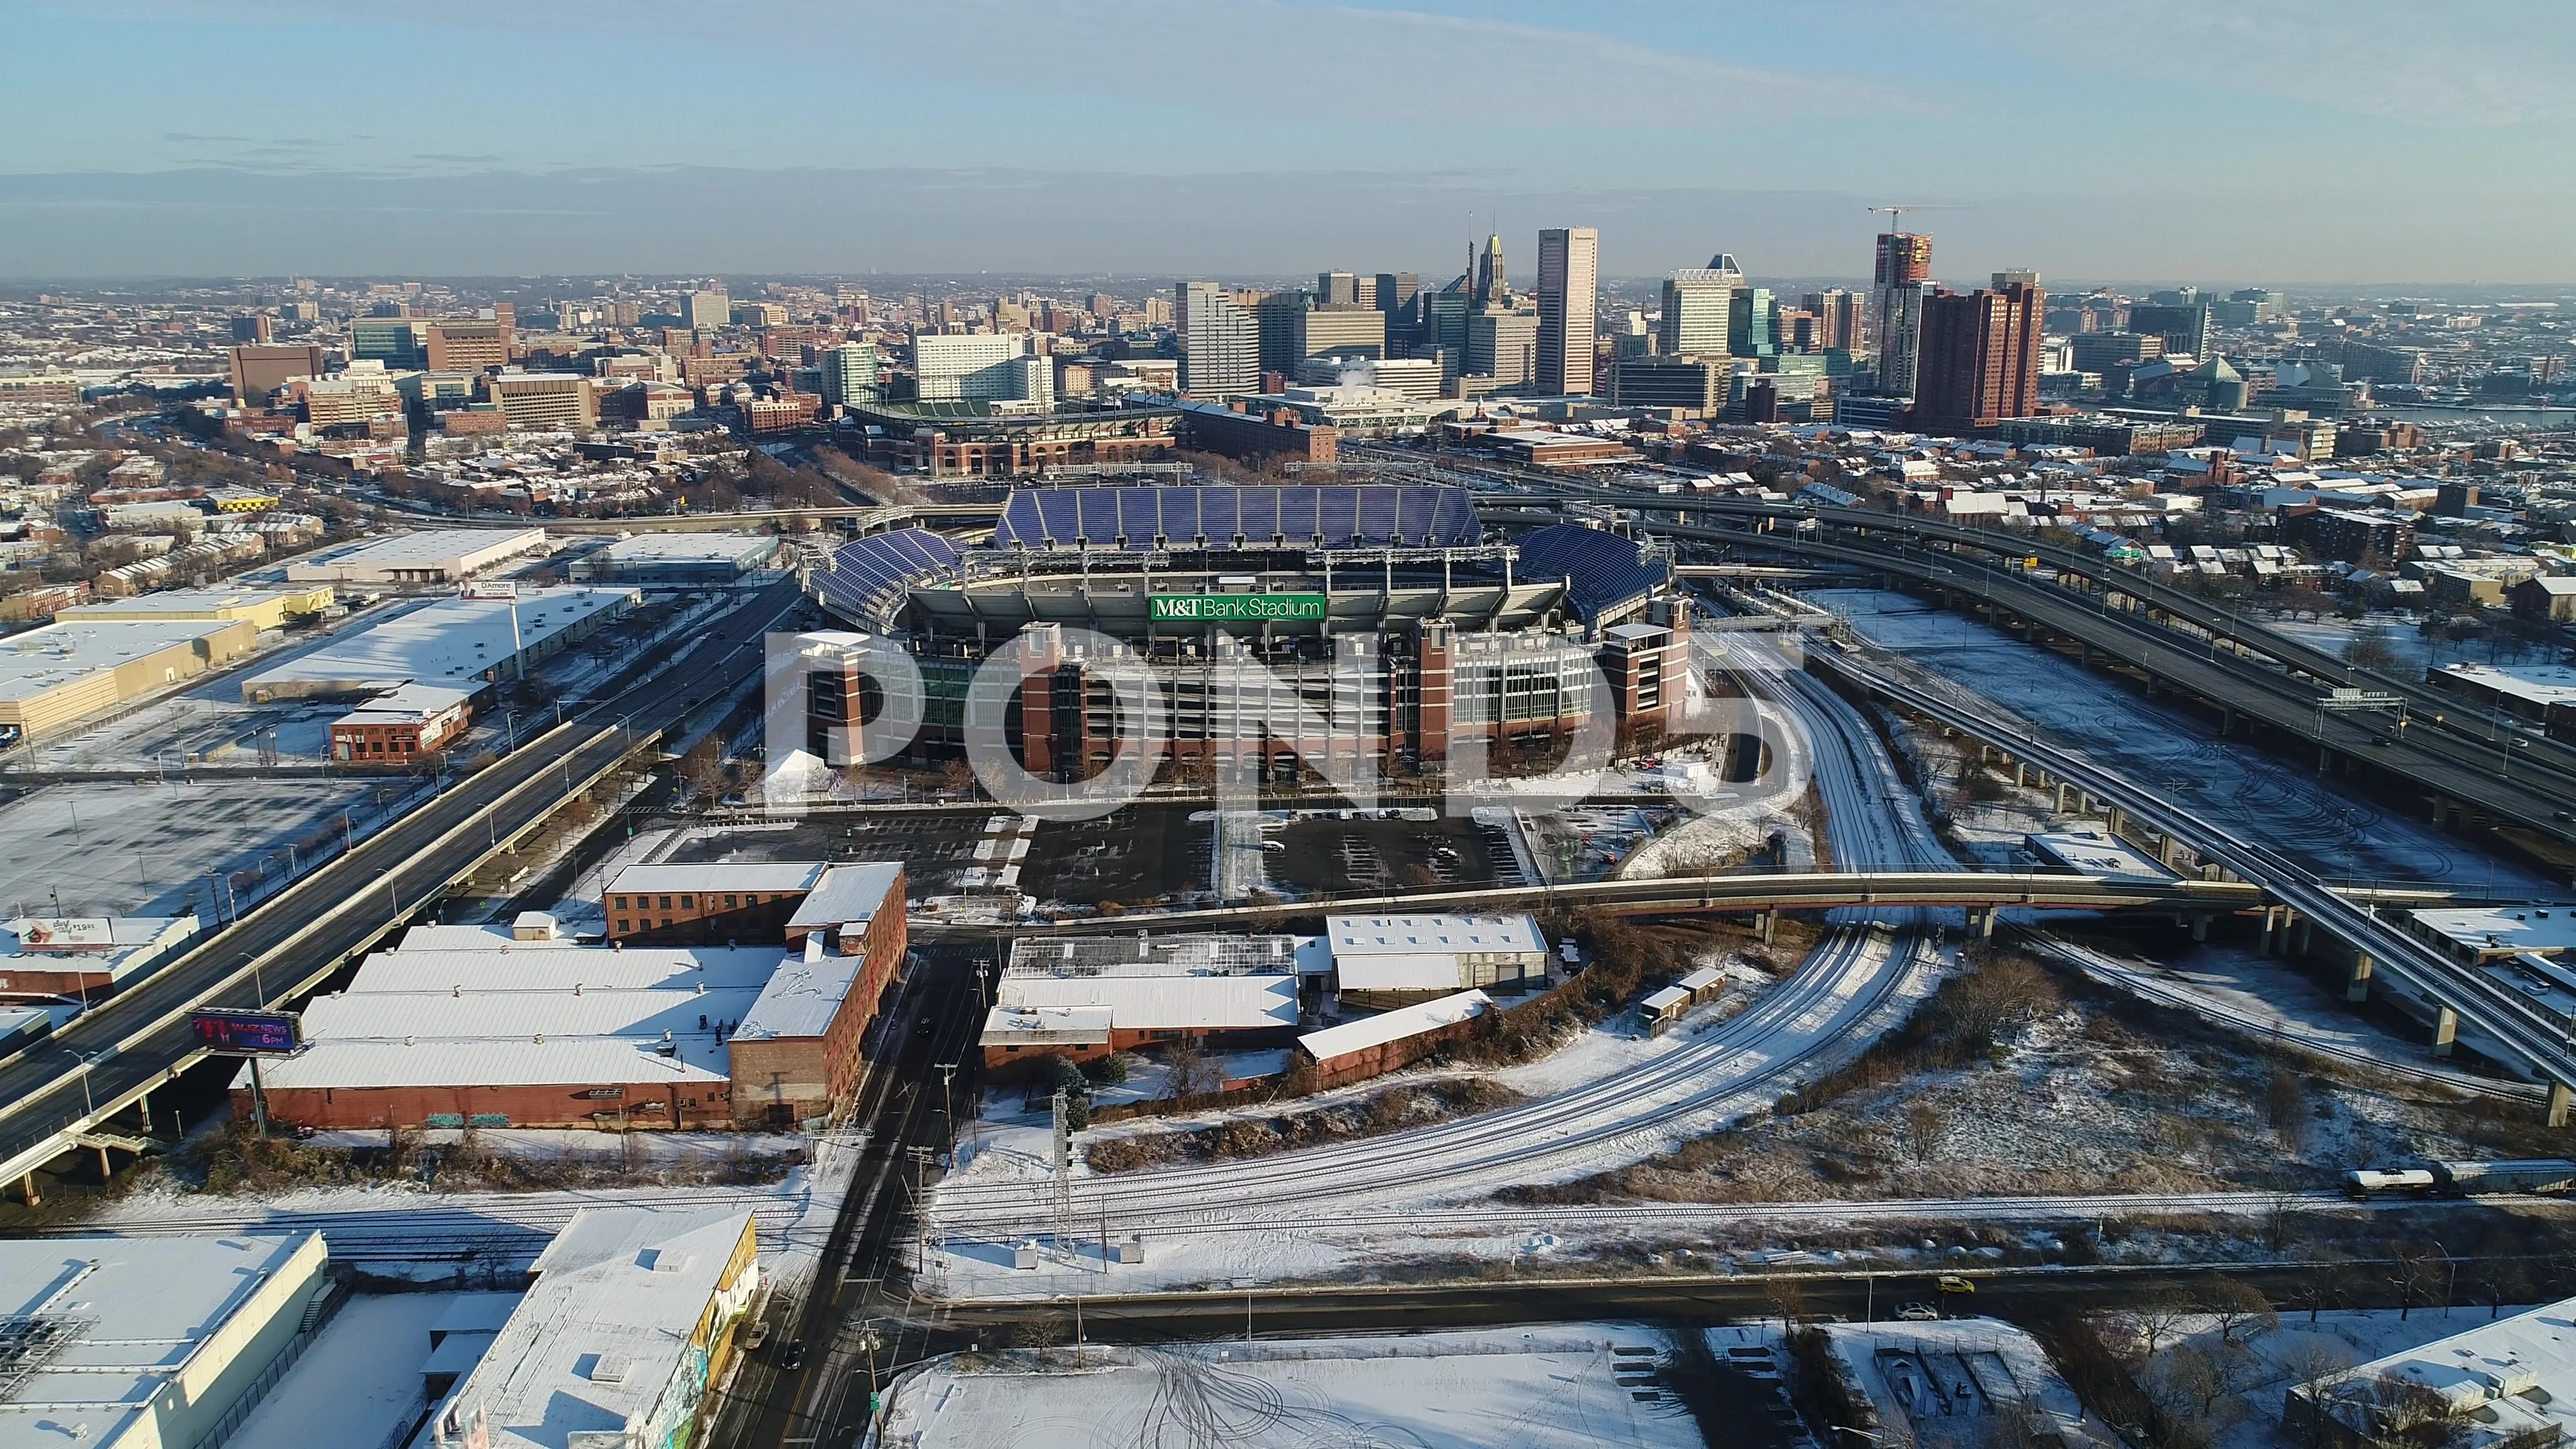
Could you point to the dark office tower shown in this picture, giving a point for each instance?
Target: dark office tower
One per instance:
(1395, 294)
(1569, 290)
(1837, 315)
(1979, 359)
(1904, 265)
(254, 328)
(1336, 289)
(1493, 285)
(1279, 322)
(2183, 325)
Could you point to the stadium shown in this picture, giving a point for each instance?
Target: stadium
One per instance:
(1383, 621)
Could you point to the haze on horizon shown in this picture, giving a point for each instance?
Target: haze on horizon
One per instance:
(2306, 141)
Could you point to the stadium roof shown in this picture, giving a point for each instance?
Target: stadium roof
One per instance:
(1364, 515)
(1607, 572)
(870, 576)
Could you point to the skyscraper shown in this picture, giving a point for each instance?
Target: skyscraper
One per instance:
(1904, 265)
(1396, 294)
(1336, 289)
(1493, 285)
(1569, 285)
(1696, 306)
(850, 374)
(1838, 318)
(2183, 325)
(710, 308)
(1979, 360)
(1220, 344)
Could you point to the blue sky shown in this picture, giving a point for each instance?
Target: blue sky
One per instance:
(2269, 140)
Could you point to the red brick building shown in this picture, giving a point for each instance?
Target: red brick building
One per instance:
(1979, 361)
(401, 725)
(711, 902)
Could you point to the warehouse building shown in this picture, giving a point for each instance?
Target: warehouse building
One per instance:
(1085, 998)
(263, 609)
(402, 724)
(632, 1316)
(2505, 1384)
(1391, 1040)
(433, 556)
(467, 643)
(85, 955)
(669, 905)
(462, 1027)
(149, 1342)
(1387, 961)
(681, 560)
(58, 675)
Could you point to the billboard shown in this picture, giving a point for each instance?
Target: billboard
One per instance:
(247, 1033)
(1235, 608)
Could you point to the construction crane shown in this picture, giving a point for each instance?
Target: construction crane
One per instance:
(1898, 212)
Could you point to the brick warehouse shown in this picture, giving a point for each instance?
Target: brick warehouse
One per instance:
(469, 1026)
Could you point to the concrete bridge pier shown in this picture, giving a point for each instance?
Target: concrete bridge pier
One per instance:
(2020, 773)
(2356, 987)
(2119, 820)
(2446, 1030)
(2200, 928)
(1981, 922)
(27, 1190)
(2226, 720)
(2560, 1095)
(1764, 922)
(2299, 939)
(2271, 928)
(2061, 797)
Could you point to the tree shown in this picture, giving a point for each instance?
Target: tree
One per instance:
(2369, 648)
(2236, 1306)
(702, 768)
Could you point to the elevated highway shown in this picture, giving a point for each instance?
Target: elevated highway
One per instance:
(2537, 1041)
(61, 1093)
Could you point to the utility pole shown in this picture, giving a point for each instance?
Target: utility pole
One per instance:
(947, 1089)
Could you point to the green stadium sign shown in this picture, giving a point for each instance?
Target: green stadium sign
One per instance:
(1236, 608)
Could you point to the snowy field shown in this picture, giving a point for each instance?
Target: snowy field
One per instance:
(2256, 795)
(144, 849)
(1960, 1383)
(359, 1384)
(1563, 1386)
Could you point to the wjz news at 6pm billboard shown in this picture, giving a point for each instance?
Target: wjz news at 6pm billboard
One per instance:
(1236, 608)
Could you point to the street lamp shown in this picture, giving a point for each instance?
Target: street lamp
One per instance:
(251, 959)
(393, 902)
(89, 1106)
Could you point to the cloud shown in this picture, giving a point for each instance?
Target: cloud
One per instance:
(2466, 64)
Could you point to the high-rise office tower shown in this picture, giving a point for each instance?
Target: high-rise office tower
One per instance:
(1364, 292)
(2183, 325)
(254, 328)
(1336, 289)
(1697, 303)
(850, 374)
(710, 308)
(1503, 346)
(1838, 314)
(1904, 265)
(1569, 287)
(1396, 294)
(1753, 325)
(1220, 342)
(1278, 318)
(1493, 285)
(1979, 359)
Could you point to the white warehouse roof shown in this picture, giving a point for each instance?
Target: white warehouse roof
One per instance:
(1396, 1025)
(450, 641)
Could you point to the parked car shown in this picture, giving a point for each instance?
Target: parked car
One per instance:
(1917, 1312)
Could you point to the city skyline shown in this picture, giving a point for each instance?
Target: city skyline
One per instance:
(1761, 130)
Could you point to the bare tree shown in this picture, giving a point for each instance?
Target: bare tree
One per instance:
(2239, 1307)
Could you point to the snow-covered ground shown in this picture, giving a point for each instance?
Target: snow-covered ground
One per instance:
(359, 1383)
(1955, 1383)
(2253, 794)
(1257, 1218)
(2268, 1362)
(1562, 1386)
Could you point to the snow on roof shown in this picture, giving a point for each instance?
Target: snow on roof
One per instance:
(449, 641)
(1164, 1003)
(1396, 1025)
(146, 1314)
(1666, 999)
(2546, 930)
(2513, 1379)
(1416, 971)
(802, 996)
(562, 967)
(608, 1328)
(1412, 935)
(1048, 1026)
(848, 895)
(783, 876)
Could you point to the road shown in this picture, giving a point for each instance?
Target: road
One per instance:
(1821, 1013)
(2536, 1038)
(116, 1053)
(902, 1117)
